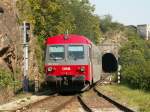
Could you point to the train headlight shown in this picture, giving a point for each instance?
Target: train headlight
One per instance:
(50, 69)
(82, 69)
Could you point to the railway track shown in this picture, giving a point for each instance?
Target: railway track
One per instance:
(118, 107)
(48, 93)
(84, 105)
(53, 103)
(117, 104)
(94, 102)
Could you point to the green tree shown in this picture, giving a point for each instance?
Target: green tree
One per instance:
(52, 17)
(107, 25)
(134, 58)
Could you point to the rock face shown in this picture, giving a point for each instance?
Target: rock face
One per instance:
(10, 44)
(10, 36)
(11, 48)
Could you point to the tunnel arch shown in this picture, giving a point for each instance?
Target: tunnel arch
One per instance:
(1, 10)
(109, 63)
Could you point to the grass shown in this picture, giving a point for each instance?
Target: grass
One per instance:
(134, 98)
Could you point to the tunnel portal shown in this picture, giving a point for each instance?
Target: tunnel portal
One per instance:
(109, 63)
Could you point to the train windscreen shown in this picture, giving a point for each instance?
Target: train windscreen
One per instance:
(56, 52)
(75, 52)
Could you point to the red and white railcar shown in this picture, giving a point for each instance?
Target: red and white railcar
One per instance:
(71, 59)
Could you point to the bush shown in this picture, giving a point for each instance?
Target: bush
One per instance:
(39, 51)
(135, 61)
(5, 78)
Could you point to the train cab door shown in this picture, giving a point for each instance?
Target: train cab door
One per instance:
(90, 64)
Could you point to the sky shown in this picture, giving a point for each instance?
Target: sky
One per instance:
(128, 12)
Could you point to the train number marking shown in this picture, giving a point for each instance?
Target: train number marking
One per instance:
(66, 68)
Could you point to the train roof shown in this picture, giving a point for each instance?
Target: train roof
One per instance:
(67, 39)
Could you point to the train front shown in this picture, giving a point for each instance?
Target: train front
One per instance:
(67, 61)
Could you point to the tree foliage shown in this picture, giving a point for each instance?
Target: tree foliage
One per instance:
(135, 60)
(52, 17)
(107, 25)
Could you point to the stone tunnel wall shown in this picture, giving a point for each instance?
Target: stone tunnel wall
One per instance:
(109, 57)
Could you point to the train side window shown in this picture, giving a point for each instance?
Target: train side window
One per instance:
(75, 52)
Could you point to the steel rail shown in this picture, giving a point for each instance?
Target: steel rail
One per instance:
(84, 105)
(81, 101)
(117, 104)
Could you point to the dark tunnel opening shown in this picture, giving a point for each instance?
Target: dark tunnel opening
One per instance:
(109, 63)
